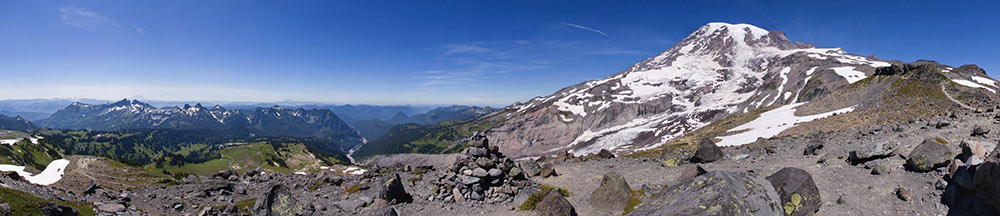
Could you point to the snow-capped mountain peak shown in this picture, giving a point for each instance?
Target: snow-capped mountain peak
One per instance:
(718, 70)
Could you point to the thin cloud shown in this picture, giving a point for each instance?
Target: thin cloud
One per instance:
(464, 48)
(138, 30)
(585, 28)
(84, 18)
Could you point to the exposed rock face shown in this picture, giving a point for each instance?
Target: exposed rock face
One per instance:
(715, 193)
(929, 155)
(279, 202)
(555, 204)
(613, 193)
(716, 71)
(799, 194)
(707, 152)
(871, 151)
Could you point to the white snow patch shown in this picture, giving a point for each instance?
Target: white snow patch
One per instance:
(984, 81)
(355, 171)
(301, 173)
(772, 123)
(849, 73)
(9, 141)
(972, 84)
(52, 173)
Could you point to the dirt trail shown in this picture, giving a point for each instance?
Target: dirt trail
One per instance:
(953, 99)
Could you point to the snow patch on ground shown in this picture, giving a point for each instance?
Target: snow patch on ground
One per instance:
(972, 84)
(52, 173)
(771, 123)
(984, 81)
(849, 73)
(355, 171)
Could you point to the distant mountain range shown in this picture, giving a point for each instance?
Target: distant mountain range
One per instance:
(442, 114)
(259, 122)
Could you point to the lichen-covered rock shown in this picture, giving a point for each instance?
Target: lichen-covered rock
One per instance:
(715, 193)
(278, 201)
(798, 192)
(987, 179)
(612, 194)
(53, 209)
(929, 155)
(530, 167)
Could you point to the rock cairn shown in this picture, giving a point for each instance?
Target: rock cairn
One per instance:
(480, 173)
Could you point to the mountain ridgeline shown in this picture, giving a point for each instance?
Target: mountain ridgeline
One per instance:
(257, 122)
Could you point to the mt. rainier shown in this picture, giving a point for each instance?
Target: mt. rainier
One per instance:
(718, 71)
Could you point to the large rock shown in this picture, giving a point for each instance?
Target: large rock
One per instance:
(871, 151)
(799, 194)
(972, 148)
(929, 155)
(278, 201)
(392, 190)
(612, 195)
(111, 207)
(980, 130)
(529, 167)
(53, 209)
(715, 193)
(555, 204)
(707, 152)
(812, 146)
(548, 170)
(987, 179)
(605, 154)
(691, 172)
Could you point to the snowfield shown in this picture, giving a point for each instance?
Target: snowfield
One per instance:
(771, 123)
(52, 173)
(972, 84)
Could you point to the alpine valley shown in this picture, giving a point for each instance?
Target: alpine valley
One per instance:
(731, 120)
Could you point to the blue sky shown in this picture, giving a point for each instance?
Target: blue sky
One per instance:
(424, 52)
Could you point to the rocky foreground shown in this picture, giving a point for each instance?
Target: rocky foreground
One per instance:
(943, 165)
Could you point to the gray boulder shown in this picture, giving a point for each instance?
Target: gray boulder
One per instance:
(986, 177)
(798, 192)
(812, 146)
(691, 172)
(715, 193)
(529, 167)
(612, 195)
(707, 152)
(929, 155)
(871, 151)
(555, 204)
(980, 131)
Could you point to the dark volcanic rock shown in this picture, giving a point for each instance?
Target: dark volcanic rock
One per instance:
(605, 154)
(612, 194)
(987, 185)
(555, 204)
(799, 194)
(278, 201)
(691, 172)
(53, 209)
(929, 155)
(715, 193)
(530, 167)
(980, 131)
(392, 190)
(871, 151)
(813, 145)
(548, 170)
(707, 152)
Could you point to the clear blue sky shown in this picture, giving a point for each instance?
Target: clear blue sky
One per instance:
(424, 52)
